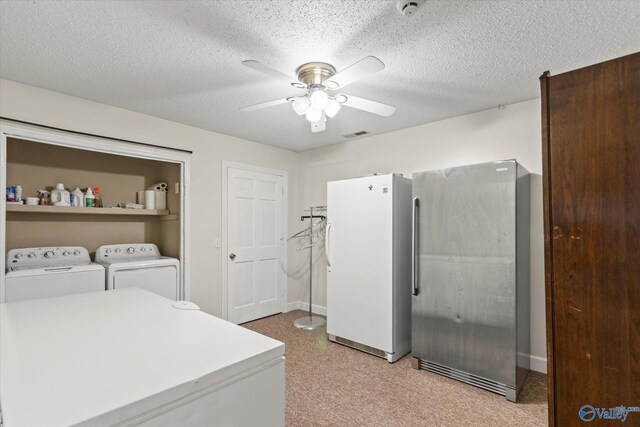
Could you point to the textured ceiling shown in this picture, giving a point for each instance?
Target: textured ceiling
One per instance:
(182, 60)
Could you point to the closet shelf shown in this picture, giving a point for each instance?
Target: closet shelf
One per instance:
(86, 211)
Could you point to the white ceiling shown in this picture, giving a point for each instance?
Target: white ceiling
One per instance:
(182, 60)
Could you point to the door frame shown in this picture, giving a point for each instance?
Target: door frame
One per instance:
(106, 145)
(226, 165)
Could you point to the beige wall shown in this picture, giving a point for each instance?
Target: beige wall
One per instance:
(488, 135)
(510, 133)
(41, 106)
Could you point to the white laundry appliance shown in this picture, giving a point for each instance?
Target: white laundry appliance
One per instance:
(140, 265)
(368, 249)
(130, 357)
(51, 272)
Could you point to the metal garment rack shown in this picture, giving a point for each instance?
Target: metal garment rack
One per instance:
(311, 322)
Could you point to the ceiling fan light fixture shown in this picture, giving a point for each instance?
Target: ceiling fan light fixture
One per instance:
(318, 98)
(313, 114)
(317, 79)
(300, 105)
(332, 108)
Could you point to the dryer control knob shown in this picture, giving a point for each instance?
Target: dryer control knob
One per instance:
(107, 251)
(65, 253)
(143, 249)
(31, 255)
(76, 253)
(118, 250)
(130, 250)
(49, 254)
(18, 256)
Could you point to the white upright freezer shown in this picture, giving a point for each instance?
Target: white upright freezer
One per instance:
(368, 248)
(131, 357)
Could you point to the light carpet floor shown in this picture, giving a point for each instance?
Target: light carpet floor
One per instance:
(328, 384)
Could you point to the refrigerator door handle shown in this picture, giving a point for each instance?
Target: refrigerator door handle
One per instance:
(326, 244)
(414, 251)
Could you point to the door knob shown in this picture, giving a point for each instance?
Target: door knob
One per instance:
(232, 256)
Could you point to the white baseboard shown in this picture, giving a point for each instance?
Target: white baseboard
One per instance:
(538, 364)
(300, 305)
(535, 363)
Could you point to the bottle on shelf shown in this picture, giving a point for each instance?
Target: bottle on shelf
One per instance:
(89, 198)
(78, 198)
(18, 193)
(98, 196)
(11, 194)
(60, 196)
(43, 197)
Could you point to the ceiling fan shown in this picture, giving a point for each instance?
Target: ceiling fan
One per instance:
(319, 79)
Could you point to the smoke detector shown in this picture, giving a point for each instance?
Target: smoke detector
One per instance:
(409, 7)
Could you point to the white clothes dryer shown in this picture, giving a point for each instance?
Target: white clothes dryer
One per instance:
(51, 272)
(140, 265)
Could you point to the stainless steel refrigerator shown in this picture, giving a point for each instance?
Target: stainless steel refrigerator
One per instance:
(470, 274)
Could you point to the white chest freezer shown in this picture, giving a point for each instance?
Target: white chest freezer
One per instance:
(131, 357)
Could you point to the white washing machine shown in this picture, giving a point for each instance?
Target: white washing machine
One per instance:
(51, 272)
(140, 265)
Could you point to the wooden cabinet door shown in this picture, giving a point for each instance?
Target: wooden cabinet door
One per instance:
(591, 145)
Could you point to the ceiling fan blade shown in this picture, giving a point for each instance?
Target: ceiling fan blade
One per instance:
(271, 72)
(355, 72)
(265, 104)
(368, 105)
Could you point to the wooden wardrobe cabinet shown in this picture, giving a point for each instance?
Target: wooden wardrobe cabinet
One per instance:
(591, 178)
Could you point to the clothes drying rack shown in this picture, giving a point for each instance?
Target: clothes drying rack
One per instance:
(310, 322)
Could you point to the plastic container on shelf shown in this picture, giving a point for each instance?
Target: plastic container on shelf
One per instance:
(78, 198)
(89, 198)
(60, 196)
(18, 193)
(149, 199)
(98, 196)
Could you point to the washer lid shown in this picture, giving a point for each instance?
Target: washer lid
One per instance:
(139, 262)
(24, 271)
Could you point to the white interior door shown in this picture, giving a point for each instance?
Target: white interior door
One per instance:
(256, 277)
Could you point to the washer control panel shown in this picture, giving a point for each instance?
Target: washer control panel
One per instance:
(48, 256)
(126, 251)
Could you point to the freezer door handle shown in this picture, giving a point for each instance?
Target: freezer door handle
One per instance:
(326, 244)
(414, 249)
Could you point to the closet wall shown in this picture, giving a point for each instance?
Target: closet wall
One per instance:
(37, 166)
